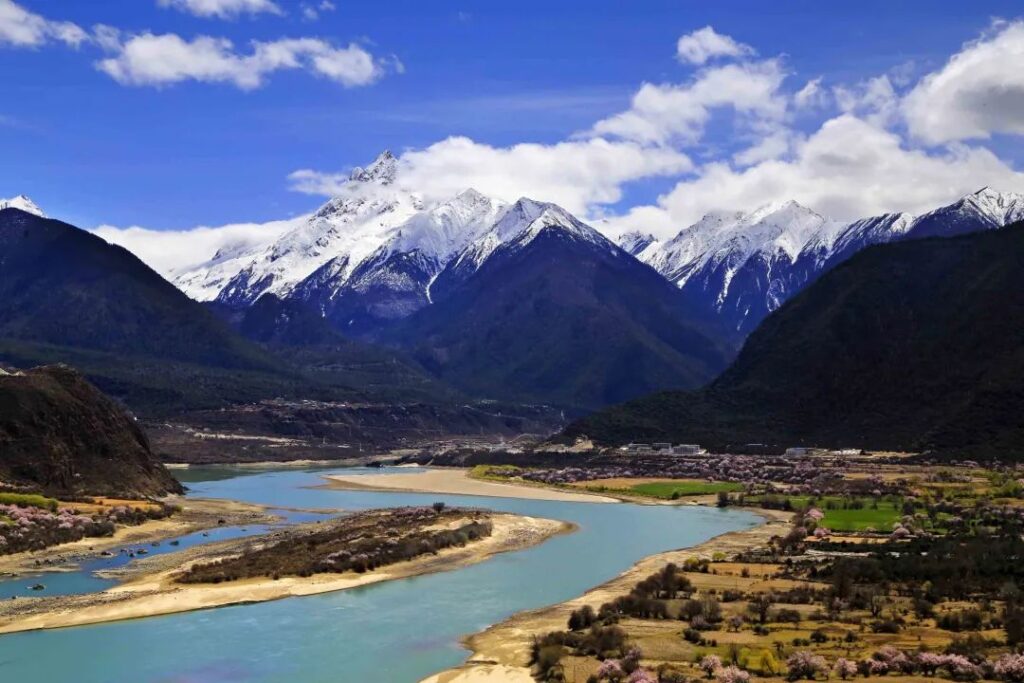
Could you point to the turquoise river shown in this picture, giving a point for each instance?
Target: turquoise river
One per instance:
(399, 631)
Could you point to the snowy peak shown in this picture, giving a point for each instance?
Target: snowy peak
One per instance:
(1001, 207)
(635, 242)
(527, 218)
(23, 203)
(383, 170)
(728, 239)
(447, 228)
(984, 209)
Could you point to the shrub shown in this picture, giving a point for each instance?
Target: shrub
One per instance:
(710, 665)
(804, 664)
(844, 668)
(732, 674)
(789, 616)
(582, 618)
(1010, 667)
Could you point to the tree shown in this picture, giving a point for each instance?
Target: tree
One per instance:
(769, 664)
(759, 606)
(732, 674)
(804, 664)
(610, 670)
(582, 618)
(710, 665)
(1010, 667)
(1013, 622)
(844, 668)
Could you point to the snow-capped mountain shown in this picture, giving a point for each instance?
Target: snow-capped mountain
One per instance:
(395, 279)
(368, 254)
(635, 242)
(544, 307)
(742, 266)
(516, 227)
(22, 202)
(352, 225)
(982, 210)
(379, 251)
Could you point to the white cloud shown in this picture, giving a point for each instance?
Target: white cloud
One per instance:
(222, 9)
(662, 114)
(706, 44)
(312, 11)
(980, 90)
(21, 28)
(577, 175)
(811, 96)
(771, 146)
(171, 251)
(850, 168)
(149, 59)
(856, 161)
(874, 99)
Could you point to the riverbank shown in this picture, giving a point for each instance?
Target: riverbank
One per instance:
(152, 591)
(454, 481)
(502, 651)
(195, 514)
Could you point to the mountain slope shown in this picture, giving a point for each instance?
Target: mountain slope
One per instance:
(67, 296)
(295, 333)
(59, 434)
(63, 286)
(544, 308)
(912, 345)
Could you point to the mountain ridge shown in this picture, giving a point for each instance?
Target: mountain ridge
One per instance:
(911, 345)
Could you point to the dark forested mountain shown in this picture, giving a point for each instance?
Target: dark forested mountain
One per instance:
(60, 434)
(297, 334)
(544, 308)
(68, 296)
(911, 345)
(62, 286)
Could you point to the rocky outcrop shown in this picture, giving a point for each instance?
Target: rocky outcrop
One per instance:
(62, 436)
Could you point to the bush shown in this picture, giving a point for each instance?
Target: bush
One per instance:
(787, 616)
(804, 664)
(582, 618)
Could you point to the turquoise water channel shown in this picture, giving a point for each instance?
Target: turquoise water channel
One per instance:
(399, 631)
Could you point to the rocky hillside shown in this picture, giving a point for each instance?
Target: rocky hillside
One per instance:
(61, 435)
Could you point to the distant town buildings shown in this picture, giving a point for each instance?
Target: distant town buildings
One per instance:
(662, 449)
(800, 451)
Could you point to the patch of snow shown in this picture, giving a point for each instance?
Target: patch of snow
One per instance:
(24, 203)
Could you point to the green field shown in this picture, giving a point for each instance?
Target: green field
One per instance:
(28, 500)
(877, 514)
(672, 488)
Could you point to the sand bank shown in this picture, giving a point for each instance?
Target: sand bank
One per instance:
(502, 652)
(456, 482)
(196, 514)
(157, 593)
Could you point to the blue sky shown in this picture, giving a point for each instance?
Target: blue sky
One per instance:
(93, 150)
